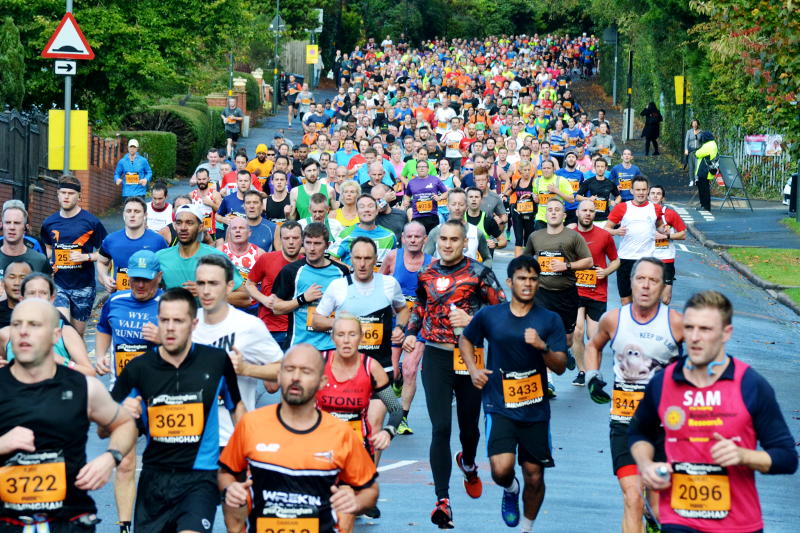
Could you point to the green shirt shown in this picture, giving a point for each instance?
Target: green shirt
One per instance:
(540, 186)
(177, 270)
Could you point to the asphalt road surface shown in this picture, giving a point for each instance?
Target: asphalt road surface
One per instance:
(582, 493)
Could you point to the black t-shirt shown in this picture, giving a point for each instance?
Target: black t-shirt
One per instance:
(604, 190)
(179, 410)
(394, 220)
(274, 210)
(5, 313)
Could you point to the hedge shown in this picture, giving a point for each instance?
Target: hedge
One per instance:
(191, 126)
(160, 148)
(217, 126)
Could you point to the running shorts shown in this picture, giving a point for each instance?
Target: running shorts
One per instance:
(621, 457)
(669, 273)
(594, 308)
(170, 501)
(529, 440)
(564, 303)
(624, 277)
(78, 301)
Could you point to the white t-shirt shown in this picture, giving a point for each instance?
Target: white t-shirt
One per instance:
(333, 298)
(640, 223)
(251, 337)
(157, 220)
(443, 117)
(452, 140)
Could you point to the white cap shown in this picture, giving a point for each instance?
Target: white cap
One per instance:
(133, 142)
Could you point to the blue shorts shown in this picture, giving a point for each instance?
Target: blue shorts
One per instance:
(78, 301)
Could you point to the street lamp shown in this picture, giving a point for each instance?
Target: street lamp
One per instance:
(276, 26)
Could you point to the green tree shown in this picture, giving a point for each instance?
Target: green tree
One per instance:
(12, 65)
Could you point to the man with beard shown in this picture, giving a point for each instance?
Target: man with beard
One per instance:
(178, 263)
(300, 196)
(302, 439)
(208, 200)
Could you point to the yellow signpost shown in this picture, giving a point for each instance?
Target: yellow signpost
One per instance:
(680, 92)
(78, 143)
(312, 54)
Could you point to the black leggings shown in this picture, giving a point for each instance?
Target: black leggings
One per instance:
(647, 142)
(440, 382)
(523, 227)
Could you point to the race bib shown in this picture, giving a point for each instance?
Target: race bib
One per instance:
(624, 400)
(700, 491)
(525, 207)
(443, 202)
(310, 317)
(424, 206)
(63, 251)
(522, 388)
(586, 278)
(131, 178)
(624, 185)
(556, 147)
(176, 418)
(546, 263)
(34, 481)
(603, 151)
(460, 367)
(410, 303)
(207, 224)
(572, 141)
(372, 335)
(544, 198)
(601, 205)
(287, 525)
(125, 353)
(662, 243)
(122, 281)
(353, 420)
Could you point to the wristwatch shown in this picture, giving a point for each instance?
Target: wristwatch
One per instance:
(117, 455)
(569, 266)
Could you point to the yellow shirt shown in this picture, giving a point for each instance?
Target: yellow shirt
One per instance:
(540, 187)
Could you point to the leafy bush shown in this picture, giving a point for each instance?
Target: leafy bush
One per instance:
(217, 126)
(160, 148)
(192, 128)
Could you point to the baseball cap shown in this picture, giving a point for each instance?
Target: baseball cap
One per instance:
(261, 148)
(191, 208)
(133, 142)
(143, 264)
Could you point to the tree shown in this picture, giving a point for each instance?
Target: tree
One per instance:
(12, 65)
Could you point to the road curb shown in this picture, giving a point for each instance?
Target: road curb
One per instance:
(773, 289)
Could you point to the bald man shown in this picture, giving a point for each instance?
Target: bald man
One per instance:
(297, 429)
(31, 428)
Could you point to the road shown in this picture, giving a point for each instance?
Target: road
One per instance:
(582, 493)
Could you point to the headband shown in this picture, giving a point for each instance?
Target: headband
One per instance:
(73, 186)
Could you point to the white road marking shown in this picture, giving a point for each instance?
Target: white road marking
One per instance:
(398, 464)
(682, 247)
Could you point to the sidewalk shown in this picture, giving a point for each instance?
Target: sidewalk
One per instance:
(728, 226)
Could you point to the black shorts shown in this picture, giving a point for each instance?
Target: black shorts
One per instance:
(594, 308)
(232, 135)
(529, 440)
(572, 217)
(539, 224)
(565, 303)
(624, 277)
(669, 273)
(428, 221)
(621, 451)
(73, 526)
(168, 501)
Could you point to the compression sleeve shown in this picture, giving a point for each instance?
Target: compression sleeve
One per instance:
(388, 398)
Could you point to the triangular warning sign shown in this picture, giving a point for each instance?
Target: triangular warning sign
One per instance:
(68, 41)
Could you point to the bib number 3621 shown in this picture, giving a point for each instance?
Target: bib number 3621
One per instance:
(287, 525)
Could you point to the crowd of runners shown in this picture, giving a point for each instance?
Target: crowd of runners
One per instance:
(334, 263)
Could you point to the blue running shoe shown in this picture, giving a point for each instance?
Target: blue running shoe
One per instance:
(509, 507)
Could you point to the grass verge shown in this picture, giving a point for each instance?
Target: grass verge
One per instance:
(794, 294)
(792, 224)
(771, 264)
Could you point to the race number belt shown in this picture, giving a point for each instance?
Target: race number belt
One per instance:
(546, 262)
(310, 317)
(34, 481)
(700, 491)
(624, 400)
(63, 251)
(353, 420)
(371, 334)
(522, 388)
(177, 418)
(624, 185)
(131, 178)
(460, 367)
(424, 206)
(286, 525)
(125, 353)
(545, 197)
(603, 151)
(664, 243)
(586, 278)
(122, 281)
(525, 207)
(601, 205)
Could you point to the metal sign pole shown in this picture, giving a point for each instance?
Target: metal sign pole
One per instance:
(67, 107)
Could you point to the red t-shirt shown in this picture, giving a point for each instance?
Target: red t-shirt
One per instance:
(265, 271)
(601, 244)
(229, 183)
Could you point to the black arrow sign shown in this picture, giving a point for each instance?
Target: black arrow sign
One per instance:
(67, 67)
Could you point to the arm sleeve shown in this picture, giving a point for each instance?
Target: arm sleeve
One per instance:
(283, 287)
(328, 303)
(103, 325)
(556, 336)
(418, 313)
(686, 140)
(99, 234)
(771, 430)
(233, 457)
(230, 389)
(119, 170)
(645, 424)
(393, 406)
(610, 248)
(474, 332)
(580, 248)
(492, 291)
(617, 213)
(122, 386)
(491, 226)
(398, 300)
(148, 172)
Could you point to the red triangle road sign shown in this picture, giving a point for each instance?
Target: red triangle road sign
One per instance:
(68, 41)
